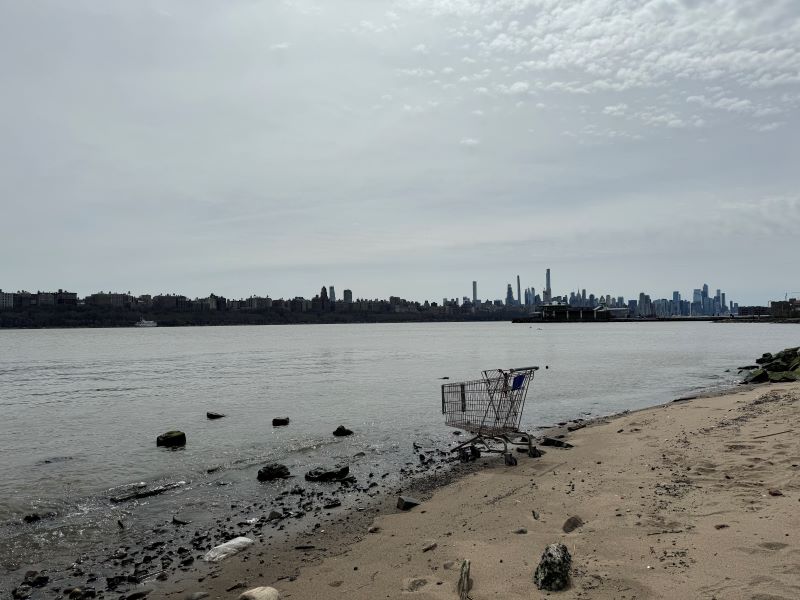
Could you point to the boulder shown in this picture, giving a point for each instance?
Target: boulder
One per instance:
(273, 471)
(342, 431)
(228, 549)
(171, 439)
(335, 473)
(280, 421)
(765, 358)
(214, 415)
(261, 593)
(552, 574)
(783, 376)
(407, 502)
(776, 365)
(757, 376)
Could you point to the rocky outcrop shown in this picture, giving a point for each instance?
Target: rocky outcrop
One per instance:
(171, 439)
(280, 421)
(552, 574)
(342, 431)
(782, 367)
(335, 473)
(273, 471)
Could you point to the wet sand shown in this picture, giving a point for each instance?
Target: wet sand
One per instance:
(693, 499)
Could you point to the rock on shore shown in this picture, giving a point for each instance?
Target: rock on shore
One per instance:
(781, 367)
(552, 574)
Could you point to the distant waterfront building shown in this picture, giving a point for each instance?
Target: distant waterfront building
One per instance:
(474, 292)
(6, 300)
(331, 294)
(548, 292)
(348, 296)
(509, 296)
(519, 292)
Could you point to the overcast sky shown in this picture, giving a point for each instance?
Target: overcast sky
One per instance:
(400, 147)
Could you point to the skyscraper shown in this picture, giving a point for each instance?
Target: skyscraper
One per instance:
(548, 294)
(331, 294)
(348, 296)
(509, 296)
(474, 292)
(519, 292)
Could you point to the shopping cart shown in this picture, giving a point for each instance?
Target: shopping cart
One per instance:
(490, 409)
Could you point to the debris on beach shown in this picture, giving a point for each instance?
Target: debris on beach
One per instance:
(407, 502)
(171, 439)
(228, 549)
(144, 492)
(552, 574)
(261, 593)
(556, 443)
(464, 582)
(273, 471)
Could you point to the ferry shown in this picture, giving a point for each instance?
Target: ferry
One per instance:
(143, 323)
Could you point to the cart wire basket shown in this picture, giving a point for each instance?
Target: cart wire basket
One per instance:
(491, 410)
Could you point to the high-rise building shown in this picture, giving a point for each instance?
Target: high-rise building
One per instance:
(548, 293)
(509, 296)
(519, 292)
(331, 294)
(348, 296)
(474, 292)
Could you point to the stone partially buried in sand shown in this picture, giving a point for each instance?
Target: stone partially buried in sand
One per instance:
(572, 524)
(407, 502)
(552, 574)
(334, 473)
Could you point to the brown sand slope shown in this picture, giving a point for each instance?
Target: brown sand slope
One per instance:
(676, 505)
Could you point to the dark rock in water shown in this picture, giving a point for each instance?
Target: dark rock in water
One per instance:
(280, 421)
(342, 431)
(548, 441)
(748, 367)
(572, 524)
(328, 474)
(214, 415)
(552, 574)
(171, 439)
(21, 592)
(32, 518)
(273, 471)
(35, 579)
(407, 502)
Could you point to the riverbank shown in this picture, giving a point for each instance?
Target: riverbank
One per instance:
(692, 499)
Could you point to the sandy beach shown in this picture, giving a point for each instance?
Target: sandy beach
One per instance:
(693, 499)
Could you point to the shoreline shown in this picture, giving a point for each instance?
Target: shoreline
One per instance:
(393, 558)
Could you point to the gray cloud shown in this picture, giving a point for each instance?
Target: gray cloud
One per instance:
(402, 147)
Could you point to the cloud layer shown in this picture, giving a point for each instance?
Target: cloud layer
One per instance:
(404, 147)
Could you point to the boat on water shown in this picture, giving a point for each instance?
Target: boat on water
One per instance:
(144, 323)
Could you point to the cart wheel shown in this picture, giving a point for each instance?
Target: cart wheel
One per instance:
(511, 460)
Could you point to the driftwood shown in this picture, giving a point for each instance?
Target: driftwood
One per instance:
(464, 582)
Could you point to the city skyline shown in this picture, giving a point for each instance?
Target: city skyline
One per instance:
(399, 146)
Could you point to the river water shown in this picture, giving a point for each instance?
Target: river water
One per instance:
(81, 408)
